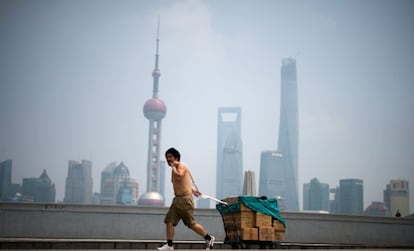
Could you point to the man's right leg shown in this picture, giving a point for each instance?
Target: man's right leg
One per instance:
(171, 219)
(169, 228)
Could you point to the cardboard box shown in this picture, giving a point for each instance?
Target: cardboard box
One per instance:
(251, 234)
(278, 225)
(263, 220)
(244, 208)
(242, 219)
(248, 225)
(266, 234)
(231, 200)
(279, 235)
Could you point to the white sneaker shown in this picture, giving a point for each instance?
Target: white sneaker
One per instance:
(210, 243)
(166, 247)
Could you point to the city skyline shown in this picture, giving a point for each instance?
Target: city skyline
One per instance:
(316, 195)
(74, 77)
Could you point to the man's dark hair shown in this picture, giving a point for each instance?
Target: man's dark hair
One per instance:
(174, 152)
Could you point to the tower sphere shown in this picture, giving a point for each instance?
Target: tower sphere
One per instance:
(151, 199)
(155, 109)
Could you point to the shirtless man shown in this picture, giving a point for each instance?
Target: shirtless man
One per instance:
(182, 206)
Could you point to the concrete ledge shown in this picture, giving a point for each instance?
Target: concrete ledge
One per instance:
(52, 244)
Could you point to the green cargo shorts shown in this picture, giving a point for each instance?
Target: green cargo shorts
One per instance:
(182, 207)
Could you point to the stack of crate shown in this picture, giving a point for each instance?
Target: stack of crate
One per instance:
(249, 225)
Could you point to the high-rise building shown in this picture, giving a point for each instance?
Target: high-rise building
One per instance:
(78, 187)
(154, 110)
(39, 189)
(272, 175)
(229, 153)
(5, 179)
(396, 197)
(126, 188)
(280, 168)
(117, 187)
(29, 189)
(127, 193)
(107, 196)
(377, 208)
(46, 191)
(124, 195)
(249, 183)
(334, 204)
(120, 176)
(133, 186)
(350, 197)
(315, 196)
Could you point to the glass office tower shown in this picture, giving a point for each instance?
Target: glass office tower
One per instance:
(78, 187)
(351, 196)
(229, 180)
(316, 196)
(272, 175)
(280, 171)
(39, 189)
(5, 179)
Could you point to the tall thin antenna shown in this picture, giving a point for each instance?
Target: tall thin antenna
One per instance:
(156, 73)
(158, 41)
(158, 27)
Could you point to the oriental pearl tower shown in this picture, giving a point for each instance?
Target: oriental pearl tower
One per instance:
(154, 110)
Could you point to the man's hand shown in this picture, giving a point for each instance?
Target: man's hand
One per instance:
(196, 193)
(174, 163)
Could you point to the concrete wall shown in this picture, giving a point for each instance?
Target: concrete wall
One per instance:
(137, 223)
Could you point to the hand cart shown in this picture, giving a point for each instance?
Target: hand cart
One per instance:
(252, 222)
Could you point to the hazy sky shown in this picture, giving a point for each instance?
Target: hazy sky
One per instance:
(74, 76)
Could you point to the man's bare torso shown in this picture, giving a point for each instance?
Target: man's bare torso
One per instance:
(182, 184)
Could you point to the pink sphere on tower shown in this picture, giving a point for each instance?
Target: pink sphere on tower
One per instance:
(154, 109)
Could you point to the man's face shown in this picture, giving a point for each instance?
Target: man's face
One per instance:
(170, 159)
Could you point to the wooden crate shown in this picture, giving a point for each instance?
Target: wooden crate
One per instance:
(246, 224)
(263, 220)
(249, 234)
(242, 219)
(266, 233)
(231, 200)
(279, 235)
(278, 225)
(244, 208)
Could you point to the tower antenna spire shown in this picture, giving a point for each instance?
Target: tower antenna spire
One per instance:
(156, 73)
